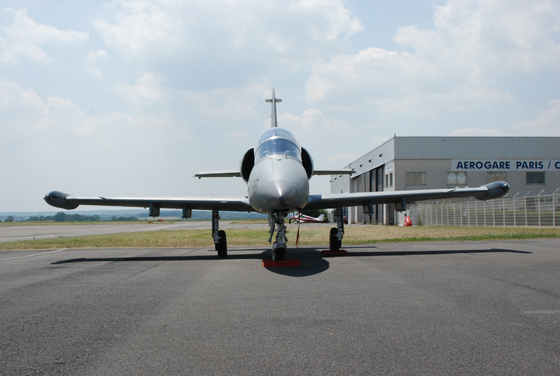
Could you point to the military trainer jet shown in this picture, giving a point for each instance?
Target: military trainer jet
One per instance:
(277, 173)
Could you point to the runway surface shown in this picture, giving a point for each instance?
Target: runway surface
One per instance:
(486, 308)
(16, 233)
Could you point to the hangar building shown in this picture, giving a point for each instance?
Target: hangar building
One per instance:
(529, 164)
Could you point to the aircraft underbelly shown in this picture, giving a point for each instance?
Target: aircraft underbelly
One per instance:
(278, 184)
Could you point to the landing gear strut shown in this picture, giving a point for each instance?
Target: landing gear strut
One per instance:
(279, 248)
(337, 233)
(219, 236)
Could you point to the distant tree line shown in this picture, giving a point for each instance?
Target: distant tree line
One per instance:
(63, 217)
(115, 218)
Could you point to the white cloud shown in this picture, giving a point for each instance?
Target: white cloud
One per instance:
(95, 56)
(501, 34)
(378, 141)
(312, 120)
(337, 16)
(92, 59)
(340, 159)
(19, 108)
(151, 94)
(457, 66)
(148, 87)
(221, 106)
(22, 37)
(290, 34)
(140, 28)
(546, 124)
(93, 71)
(26, 116)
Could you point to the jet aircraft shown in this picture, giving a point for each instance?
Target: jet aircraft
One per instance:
(277, 172)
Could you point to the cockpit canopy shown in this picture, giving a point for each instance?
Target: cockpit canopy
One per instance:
(278, 141)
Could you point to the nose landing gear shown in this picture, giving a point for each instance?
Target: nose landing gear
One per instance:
(279, 248)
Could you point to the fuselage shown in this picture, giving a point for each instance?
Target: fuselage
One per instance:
(278, 181)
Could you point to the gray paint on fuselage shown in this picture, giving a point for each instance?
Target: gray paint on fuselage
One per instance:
(278, 180)
(278, 183)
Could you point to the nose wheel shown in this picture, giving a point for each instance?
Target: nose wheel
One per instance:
(278, 252)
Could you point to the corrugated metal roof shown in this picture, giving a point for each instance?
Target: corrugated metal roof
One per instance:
(458, 148)
(375, 158)
(477, 147)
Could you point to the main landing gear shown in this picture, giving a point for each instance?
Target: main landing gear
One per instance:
(277, 224)
(219, 236)
(337, 233)
(279, 248)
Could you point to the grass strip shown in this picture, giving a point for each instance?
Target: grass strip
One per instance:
(308, 236)
(83, 223)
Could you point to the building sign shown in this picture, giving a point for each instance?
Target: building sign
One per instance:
(505, 165)
(389, 166)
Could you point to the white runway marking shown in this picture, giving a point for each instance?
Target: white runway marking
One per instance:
(35, 254)
(20, 238)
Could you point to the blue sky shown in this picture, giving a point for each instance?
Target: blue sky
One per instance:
(132, 98)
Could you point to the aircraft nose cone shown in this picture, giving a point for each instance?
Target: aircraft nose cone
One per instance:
(281, 194)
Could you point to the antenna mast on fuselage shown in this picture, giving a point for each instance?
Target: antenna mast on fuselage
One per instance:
(273, 101)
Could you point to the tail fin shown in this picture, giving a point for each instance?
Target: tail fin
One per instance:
(273, 119)
(321, 218)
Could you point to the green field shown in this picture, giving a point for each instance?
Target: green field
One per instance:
(308, 236)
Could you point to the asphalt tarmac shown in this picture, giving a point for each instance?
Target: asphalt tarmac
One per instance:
(445, 308)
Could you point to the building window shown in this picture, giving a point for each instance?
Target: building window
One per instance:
(389, 180)
(535, 178)
(415, 178)
(457, 178)
(495, 176)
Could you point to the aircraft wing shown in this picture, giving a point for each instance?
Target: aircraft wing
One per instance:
(344, 171)
(237, 174)
(66, 201)
(484, 192)
(219, 174)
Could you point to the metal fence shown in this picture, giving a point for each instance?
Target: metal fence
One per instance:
(541, 210)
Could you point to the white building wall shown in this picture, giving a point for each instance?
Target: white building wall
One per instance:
(434, 155)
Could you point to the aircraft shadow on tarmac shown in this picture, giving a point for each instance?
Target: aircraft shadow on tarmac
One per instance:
(312, 260)
(434, 252)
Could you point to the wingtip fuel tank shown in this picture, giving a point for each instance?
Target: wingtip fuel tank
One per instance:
(58, 200)
(495, 190)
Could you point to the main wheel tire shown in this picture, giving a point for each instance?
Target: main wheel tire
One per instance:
(334, 243)
(222, 245)
(279, 254)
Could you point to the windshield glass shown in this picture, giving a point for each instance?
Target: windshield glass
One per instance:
(277, 141)
(276, 132)
(278, 146)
